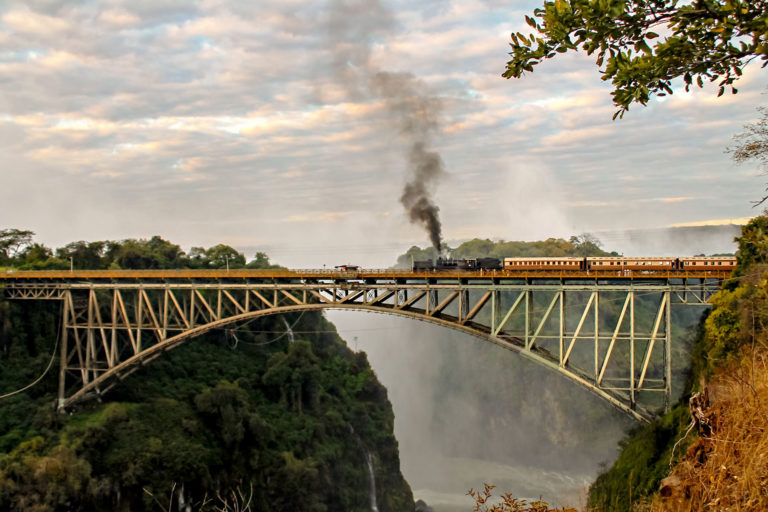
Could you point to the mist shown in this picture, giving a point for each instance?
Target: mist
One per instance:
(468, 412)
(673, 241)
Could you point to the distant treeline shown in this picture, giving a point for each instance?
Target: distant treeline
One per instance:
(582, 245)
(18, 250)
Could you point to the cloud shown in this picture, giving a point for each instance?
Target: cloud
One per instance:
(315, 217)
(30, 22)
(675, 199)
(119, 17)
(187, 110)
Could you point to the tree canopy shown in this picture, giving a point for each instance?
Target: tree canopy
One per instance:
(642, 45)
(18, 250)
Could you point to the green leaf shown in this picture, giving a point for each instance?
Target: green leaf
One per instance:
(643, 46)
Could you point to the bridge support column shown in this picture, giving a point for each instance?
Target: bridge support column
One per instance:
(632, 388)
(432, 300)
(494, 310)
(463, 304)
(528, 317)
(597, 334)
(64, 351)
(668, 354)
(562, 327)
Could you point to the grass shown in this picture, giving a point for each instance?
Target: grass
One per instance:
(727, 468)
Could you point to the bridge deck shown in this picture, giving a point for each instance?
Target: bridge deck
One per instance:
(22, 276)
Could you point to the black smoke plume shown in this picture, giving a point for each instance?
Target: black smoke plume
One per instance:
(427, 167)
(414, 110)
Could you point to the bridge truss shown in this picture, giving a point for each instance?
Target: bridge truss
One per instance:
(612, 336)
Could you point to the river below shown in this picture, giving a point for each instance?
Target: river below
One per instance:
(444, 488)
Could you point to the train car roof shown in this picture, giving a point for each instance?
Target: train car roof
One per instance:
(627, 258)
(545, 258)
(701, 258)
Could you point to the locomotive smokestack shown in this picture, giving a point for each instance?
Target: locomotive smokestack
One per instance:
(353, 26)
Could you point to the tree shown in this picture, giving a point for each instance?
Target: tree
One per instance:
(83, 254)
(142, 254)
(260, 260)
(12, 242)
(36, 255)
(222, 256)
(752, 144)
(642, 45)
(586, 244)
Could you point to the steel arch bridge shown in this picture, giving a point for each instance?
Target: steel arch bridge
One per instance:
(608, 331)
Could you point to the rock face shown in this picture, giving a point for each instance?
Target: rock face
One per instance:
(265, 421)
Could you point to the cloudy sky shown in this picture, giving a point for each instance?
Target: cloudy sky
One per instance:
(261, 125)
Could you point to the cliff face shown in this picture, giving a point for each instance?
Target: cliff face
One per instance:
(244, 416)
(703, 441)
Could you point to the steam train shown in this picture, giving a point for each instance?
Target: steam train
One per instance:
(577, 263)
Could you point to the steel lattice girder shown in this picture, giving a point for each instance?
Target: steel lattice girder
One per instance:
(109, 329)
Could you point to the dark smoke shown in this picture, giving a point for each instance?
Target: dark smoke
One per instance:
(353, 27)
(427, 166)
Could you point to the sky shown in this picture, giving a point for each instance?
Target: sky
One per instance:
(261, 125)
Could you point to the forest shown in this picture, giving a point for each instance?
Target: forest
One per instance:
(247, 418)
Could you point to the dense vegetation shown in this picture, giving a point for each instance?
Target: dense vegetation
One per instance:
(738, 318)
(18, 250)
(247, 415)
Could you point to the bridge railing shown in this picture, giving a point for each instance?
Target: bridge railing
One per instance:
(188, 274)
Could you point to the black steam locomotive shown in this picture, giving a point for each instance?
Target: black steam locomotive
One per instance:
(457, 264)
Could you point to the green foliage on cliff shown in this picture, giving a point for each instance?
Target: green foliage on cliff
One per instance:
(738, 312)
(285, 420)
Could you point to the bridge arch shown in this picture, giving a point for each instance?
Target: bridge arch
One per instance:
(105, 380)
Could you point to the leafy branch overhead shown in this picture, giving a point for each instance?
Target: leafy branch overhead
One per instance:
(642, 45)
